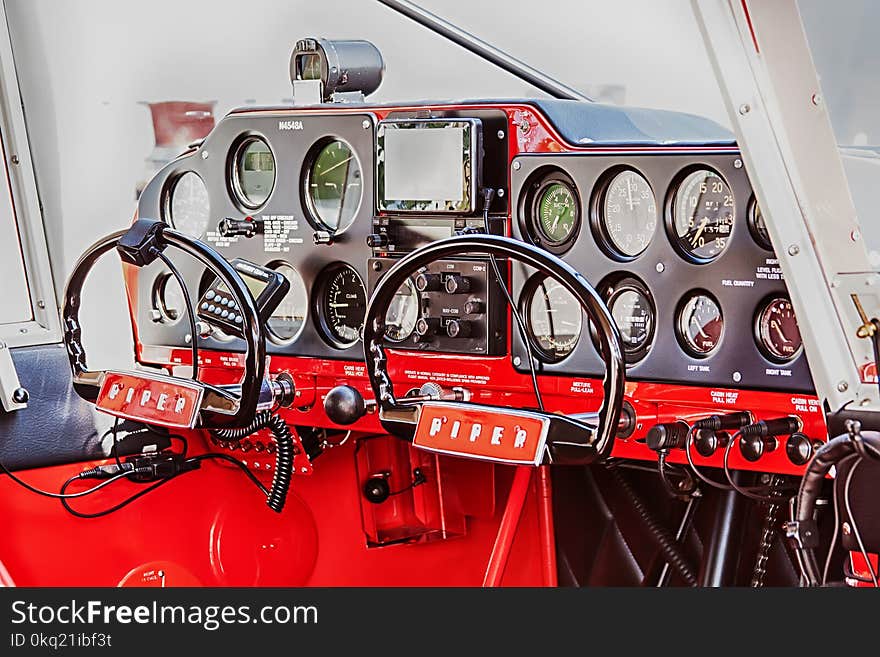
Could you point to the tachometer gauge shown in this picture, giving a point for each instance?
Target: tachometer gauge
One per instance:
(332, 185)
(757, 227)
(289, 318)
(342, 304)
(187, 205)
(253, 172)
(627, 214)
(553, 318)
(702, 216)
(700, 324)
(403, 313)
(777, 332)
(632, 308)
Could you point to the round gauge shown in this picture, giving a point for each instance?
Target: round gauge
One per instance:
(253, 175)
(758, 228)
(342, 304)
(777, 330)
(188, 207)
(700, 324)
(633, 311)
(702, 216)
(332, 185)
(550, 210)
(289, 318)
(403, 313)
(553, 318)
(168, 299)
(627, 214)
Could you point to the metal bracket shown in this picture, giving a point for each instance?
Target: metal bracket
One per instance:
(308, 92)
(12, 395)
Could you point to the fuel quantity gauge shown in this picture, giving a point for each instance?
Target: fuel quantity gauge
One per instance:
(699, 324)
(777, 332)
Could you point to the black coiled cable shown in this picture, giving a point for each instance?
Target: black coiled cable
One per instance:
(283, 453)
(662, 537)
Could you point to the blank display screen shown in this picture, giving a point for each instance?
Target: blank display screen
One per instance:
(424, 164)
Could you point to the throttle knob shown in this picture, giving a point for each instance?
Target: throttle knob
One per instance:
(344, 405)
(456, 284)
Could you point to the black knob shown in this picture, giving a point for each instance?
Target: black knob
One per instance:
(245, 227)
(707, 441)
(753, 446)
(474, 307)
(377, 240)
(428, 282)
(458, 328)
(799, 448)
(426, 327)
(20, 396)
(668, 435)
(344, 405)
(376, 489)
(456, 284)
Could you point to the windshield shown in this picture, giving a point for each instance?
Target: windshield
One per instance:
(846, 53)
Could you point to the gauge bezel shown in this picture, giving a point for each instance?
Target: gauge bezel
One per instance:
(669, 214)
(529, 200)
(759, 339)
(598, 222)
(233, 175)
(318, 312)
(752, 223)
(168, 196)
(411, 283)
(159, 302)
(275, 265)
(679, 331)
(525, 304)
(305, 177)
(611, 288)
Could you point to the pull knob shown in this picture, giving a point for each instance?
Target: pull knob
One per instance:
(707, 442)
(458, 328)
(346, 405)
(428, 282)
(456, 284)
(800, 448)
(754, 446)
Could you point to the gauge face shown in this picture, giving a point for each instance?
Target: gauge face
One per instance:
(628, 214)
(702, 214)
(254, 174)
(700, 324)
(553, 318)
(556, 212)
(189, 208)
(343, 305)
(758, 228)
(633, 311)
(289, 317)
(332, 186)
(168, 299)
(403, 313)
(777, 330)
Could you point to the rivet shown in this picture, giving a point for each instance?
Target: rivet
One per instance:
(745, 108)
(737, 164)
(365, 125)
(793, 250)
(517, 166)
(737, 377)
(204, 155)
(843, 386)
(660, 267)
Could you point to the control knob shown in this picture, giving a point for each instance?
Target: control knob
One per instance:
(458, 328)
(457, 284)
(428, 282)
(427, 327)
(474, 307)
(377, 240)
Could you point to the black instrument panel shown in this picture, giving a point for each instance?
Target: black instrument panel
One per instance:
(670, 242)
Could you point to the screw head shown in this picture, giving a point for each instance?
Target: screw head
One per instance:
(745, 108)
(737, 164)
(793, 250)
(660, 267)
(517, 361)
(737, 377)
(15, 159)
(365, 125)
(846, 528)
(816, 99)
(501, 134)
(204, 155)
(517, 166)
(500, 193)
(843, 386)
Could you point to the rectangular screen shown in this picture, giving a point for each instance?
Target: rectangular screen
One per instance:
(428, 165)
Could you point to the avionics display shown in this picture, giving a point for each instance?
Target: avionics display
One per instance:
(428, 165)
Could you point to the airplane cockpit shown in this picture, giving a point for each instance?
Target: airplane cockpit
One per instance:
(539, 341)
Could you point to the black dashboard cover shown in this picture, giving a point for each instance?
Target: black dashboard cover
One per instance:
(57, 426)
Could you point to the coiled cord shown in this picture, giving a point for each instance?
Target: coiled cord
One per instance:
(662, 537)
(284, 453)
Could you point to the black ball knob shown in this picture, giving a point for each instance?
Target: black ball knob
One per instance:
(377, 490)
(799, 448)
(753, 447)
(344, 405)
(707, 441)
(20, 396)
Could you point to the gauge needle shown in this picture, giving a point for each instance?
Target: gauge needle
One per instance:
(335, 166)
(699, 328)
(338, 305)
(775, 325)
(555, 223)
(629, 192)
(700, 231)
